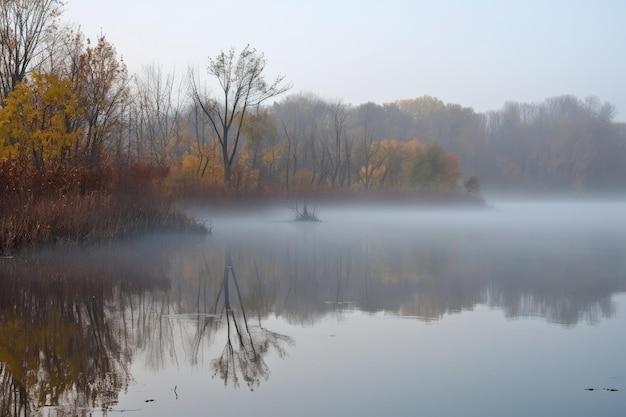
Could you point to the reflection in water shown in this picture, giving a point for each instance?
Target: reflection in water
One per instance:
(74, 319)
(246, 346)
(59, 342)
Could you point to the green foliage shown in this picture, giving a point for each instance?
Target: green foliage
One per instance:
(472, 185)
(429, 167)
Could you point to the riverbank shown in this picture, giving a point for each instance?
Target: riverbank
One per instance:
(73, 204)
(69, 204)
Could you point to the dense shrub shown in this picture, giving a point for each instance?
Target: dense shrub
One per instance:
(66, 203)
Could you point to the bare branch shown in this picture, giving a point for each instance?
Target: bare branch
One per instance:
(24, 24)
(243, 87)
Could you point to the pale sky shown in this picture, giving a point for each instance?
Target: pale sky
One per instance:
(477, 53)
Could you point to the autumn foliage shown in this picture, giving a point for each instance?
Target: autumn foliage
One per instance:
(392, 166)
(72, 204)
(64, 172)
(88, 152)
(36, 122)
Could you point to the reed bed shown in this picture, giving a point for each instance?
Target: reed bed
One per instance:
(76, 204)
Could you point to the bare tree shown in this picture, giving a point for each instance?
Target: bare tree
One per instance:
(366, 146)
(158, 113)
(24, 25)
(242, 88)
(309, 136)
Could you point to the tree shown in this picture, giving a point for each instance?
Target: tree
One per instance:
(562, 143)
(365, 145)
(23, 28)
(428, 115)
(101, 85)
(339, 148)
(453, 172)
(202, 151)
(472, 185)
(243, 87)
(389, 156)
(36, 121)
(300, 117)
(429, 167)
(261, 133)
(157, 115)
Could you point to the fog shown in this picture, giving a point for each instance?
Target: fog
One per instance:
(508, 219)
(563, 260)
(237, 299)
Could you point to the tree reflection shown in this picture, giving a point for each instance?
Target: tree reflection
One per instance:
(71, 322)
(444, 271)
(243, 356)
(205, 305)
(61, 351)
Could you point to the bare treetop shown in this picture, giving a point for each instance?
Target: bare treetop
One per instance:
(23, 27)
(243, 86)
(241, 78)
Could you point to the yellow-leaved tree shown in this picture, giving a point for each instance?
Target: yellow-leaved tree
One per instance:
(36, 121)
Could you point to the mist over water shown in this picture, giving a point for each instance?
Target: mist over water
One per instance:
(514, 309)
(506, 252)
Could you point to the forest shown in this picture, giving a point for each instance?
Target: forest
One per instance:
(88, 150)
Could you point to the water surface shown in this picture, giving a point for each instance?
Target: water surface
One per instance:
(514, 310)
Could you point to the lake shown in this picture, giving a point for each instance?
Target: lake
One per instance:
(518, 310)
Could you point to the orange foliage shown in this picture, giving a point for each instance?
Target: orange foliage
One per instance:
(453, 170)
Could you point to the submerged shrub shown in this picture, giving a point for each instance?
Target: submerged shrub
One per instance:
(305, 213)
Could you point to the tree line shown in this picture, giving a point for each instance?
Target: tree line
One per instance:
(562, 144)
(65, 172)
(303, 142)
(68, 100)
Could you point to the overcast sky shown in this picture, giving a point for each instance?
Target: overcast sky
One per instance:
(477, 53)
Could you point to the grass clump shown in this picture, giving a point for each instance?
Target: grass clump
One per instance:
(305, 213)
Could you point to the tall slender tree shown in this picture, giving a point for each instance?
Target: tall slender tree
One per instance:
(243, 87)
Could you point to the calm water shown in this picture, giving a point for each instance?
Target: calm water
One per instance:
(515, 310)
